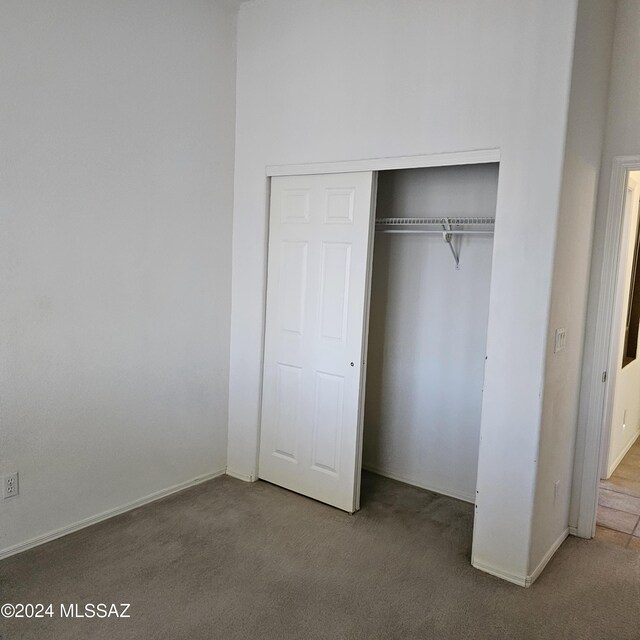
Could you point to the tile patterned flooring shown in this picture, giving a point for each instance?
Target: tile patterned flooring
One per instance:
(618, 518)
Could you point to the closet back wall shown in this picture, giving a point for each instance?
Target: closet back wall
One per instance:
(428, 332)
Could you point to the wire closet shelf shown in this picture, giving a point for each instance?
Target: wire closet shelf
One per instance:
(447, 226)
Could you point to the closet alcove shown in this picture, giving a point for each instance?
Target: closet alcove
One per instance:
(428, 328)
(375, 341)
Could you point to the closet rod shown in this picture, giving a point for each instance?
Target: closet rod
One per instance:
(457, 221)
(453, 232)
(415, 225)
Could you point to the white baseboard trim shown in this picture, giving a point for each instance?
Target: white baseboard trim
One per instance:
(241, 476)
(445, 492)
(623, 453)
(547, 556)
(521, 579)
(573, 531)
(105, 515)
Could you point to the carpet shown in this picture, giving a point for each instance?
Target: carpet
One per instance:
(227, 560)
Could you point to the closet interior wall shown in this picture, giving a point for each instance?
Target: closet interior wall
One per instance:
(427, 335)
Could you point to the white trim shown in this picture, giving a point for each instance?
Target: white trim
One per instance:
(478, 156)
(588, 464)
(573, 531)
(245, 477)
(515, 578)
(623, 453)
(105, 515)
(547, 556)
(365, 344)
(458, 495)
(619, 308)
(520, 579)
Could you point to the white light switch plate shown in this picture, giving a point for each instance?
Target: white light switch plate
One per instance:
(561, 340)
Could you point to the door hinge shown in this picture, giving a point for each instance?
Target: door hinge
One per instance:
(604, 376)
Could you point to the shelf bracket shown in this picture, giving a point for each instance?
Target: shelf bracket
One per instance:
(448, 237)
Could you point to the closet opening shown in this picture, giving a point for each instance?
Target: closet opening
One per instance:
(428, 327)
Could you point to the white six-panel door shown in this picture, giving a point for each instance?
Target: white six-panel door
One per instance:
(320, 236)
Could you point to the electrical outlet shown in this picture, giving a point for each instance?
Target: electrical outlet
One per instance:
(560, 341)
(10, 486)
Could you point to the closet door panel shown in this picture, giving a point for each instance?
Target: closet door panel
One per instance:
(319, 259)
(293, 286)
(288, 392)
(327, 422)
(336, 258)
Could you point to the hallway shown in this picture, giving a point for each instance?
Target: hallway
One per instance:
(618, 518)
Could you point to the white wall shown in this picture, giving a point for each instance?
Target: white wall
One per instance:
(428, 332)
(585, 133)
(625, 418)
(116, 195)
(622, 138)
(336, 80)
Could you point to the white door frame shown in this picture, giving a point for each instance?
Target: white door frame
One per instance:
(597, 385)
(619, 307)
(478, 156)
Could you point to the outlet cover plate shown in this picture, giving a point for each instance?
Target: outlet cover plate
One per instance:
(10, 487)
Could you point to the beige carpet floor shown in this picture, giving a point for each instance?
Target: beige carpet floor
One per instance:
(233, 560)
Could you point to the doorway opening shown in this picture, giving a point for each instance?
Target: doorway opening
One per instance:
(618, 513)
(428, 327)
(321, 237)
(606, 493)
